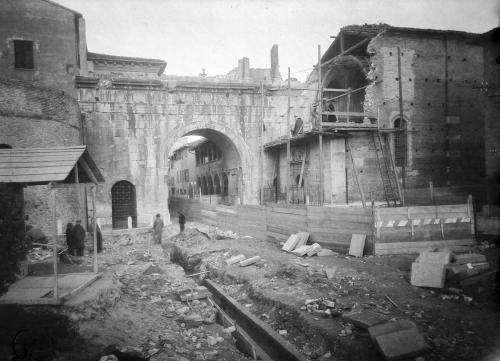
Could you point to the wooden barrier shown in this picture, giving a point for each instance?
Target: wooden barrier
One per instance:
(388, 230)
(413, 229)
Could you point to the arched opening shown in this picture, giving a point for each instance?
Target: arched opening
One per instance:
(225, 185)
(204, 186)
(5, 146)
(210, 185)
(346, 73)
(400, 143)
(218, 159)
(123, 204)
(217, 184)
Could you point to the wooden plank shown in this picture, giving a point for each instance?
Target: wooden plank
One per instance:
(417, 247)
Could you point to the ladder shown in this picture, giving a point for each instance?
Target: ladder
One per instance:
(387, 171)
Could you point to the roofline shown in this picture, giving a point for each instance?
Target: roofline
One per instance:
(110, 57)
(63, 7)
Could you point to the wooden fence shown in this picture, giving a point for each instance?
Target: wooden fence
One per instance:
(388, 230)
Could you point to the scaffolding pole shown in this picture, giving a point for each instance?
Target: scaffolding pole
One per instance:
(96, 268)
(288, 132)
(320, 128)
(54, 245)
(262, 145)
(401, 121)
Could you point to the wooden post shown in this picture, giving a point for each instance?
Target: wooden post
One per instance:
(348, 108)
(431, 190)
(401, 119)
(470, 214)
(287, 184)
(54, 245)
(262, 145)
(377, 222)
(96, 269)
(355, 171)
(320, 127)
(411, 222)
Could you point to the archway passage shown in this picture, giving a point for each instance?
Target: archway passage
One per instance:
(123, 204)
(215, 161)
(217, 184)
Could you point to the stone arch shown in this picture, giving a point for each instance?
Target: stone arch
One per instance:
(210, 184)
(401, 141)
(123, 204)
(204, 128)
(217, 187)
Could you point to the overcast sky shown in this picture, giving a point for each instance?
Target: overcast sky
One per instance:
(214, 34)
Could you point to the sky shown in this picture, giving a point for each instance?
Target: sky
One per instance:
(214, 34)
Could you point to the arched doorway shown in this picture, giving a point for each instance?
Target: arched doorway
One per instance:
(217, 184)
(5, 146)
(204, 187)
(210, 185)
(123, 204)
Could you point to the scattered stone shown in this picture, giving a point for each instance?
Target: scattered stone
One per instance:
(390, 327)
(401, 344)
(470, 258)
(290, 243)
(249, 261)
(357, 245)
(434, 257)
(301, 250)
(153, 269)
(428, 274)
(235, 259)
(364, 319)
(193, 294)
(330, 272)
(283, 332)
(326, 252)
(302, 238)
(315, 248)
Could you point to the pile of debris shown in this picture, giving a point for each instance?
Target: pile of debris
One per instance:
(39, 254)
(433, 268)
(242, 260)
(297, 244)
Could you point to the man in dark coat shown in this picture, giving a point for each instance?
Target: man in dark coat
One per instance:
(69, 238)
(157, 229)
(99, 235)
(78, 238)
(182, 221)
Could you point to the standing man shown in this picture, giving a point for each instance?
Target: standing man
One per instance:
(157, 229)
(182, 221)
(78, 238)
(99, 235)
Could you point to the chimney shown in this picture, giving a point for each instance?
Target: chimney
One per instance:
(275, 64)
(244, 69)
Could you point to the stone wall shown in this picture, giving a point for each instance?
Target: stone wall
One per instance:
(35, 117)
(58, 36)
(130, 133)
(444, 113)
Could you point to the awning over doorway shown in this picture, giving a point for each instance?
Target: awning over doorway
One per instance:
(44, 165)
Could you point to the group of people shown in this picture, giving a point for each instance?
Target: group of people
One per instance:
(158, 227)
(75, 237)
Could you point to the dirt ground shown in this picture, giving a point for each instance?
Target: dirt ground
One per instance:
(134, 307)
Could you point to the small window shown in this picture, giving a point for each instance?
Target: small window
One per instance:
(23, 52)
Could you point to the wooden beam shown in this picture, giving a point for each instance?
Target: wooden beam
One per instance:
(302, 166)
(54, 247)
(320, 128)
(352, 91)
(360, 188)
(335, 90)
(96, 269)
(345, 114)
(87, 170)
(262, 145)
(287, 185)
(345, 52)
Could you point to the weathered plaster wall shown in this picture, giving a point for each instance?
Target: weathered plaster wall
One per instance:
(34, 117)
(58, 42)
(444, 150)
(130, 133)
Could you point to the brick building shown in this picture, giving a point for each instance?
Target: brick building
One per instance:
(42, 49)
(439, 130)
